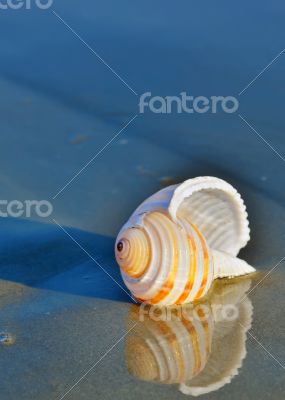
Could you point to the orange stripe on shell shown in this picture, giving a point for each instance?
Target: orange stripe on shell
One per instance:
(192, 270)
(169, 282)
(206, 264)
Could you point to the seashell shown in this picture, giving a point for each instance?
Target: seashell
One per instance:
(193, 346)
(182, 238)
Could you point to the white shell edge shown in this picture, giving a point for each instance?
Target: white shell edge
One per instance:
(171, 197)
(190, 186)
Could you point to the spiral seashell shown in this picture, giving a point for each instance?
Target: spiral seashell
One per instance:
(182, 238)
(193, 345)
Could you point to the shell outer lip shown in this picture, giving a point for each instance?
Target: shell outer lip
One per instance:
(190, 186)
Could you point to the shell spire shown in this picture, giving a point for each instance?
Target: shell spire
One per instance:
(180, 239)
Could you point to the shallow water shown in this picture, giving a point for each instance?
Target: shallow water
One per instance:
(60, 312)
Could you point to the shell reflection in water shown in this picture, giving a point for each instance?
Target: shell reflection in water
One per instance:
(198, 346)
